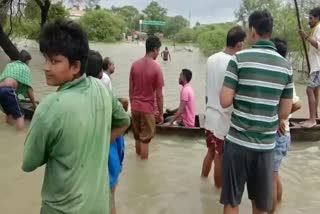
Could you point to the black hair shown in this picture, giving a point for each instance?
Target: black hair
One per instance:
(24, 56)
(281, 45)
(262, 22)
(152, 43)
(66, 38)
(315, 12)
(235, 35)
(94, 64)
(187, 74)
(106, 62)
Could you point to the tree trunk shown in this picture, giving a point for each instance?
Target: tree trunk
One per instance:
(44, 12)
(8, 47)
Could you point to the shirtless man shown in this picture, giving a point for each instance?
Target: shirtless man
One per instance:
(165, 55)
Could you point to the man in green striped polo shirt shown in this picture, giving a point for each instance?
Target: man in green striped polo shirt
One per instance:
(258, 83)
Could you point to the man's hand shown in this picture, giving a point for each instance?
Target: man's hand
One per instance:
(282, 127)
(161, 120)
(303, 34)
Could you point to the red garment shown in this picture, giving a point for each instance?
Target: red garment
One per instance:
(145, 77)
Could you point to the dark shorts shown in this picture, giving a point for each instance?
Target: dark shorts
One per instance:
(143, 126)
(213, 142)
(242, 166)
(10, 103)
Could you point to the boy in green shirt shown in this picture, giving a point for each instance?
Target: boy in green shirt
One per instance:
(70, 127)
(16, 80)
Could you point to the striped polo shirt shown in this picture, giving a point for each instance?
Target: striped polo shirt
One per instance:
(260, 77)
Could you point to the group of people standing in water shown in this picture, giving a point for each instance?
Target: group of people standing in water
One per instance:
(77, 131)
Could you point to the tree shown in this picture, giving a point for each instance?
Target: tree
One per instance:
(155, 12)
(102, 25)
(174, 25)
(130, 15)
(198, 24)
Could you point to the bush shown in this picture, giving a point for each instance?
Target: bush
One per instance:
(212, 41)
(184, 35)
(102, 26)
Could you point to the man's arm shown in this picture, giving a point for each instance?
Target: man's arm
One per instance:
(120, 120)
(159, 97)
(131, 84)
(306, 37)
(180, 111)
(31, 96)
(226, 97)
(169, 56)
(230, 84)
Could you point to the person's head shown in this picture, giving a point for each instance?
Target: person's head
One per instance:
(314, 17)
(153, 45)
(281, 46)
(260, 26)
(25, 57)
(94, 64)
(235, 38)
(185, 76)
(65, 48)
(166, 48)
(108, 65)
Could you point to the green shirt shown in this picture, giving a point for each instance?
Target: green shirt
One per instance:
(20, 72)
(70, 133)
(260, 77)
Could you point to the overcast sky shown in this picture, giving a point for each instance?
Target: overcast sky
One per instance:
(204, 11)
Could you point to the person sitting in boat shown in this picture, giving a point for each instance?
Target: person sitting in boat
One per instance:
(16, 80)
(283, 138)
(116, 152)
(185, 114)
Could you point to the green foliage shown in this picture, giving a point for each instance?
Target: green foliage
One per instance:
(57, 11)
(32, 10)
(212, 41)
(129, 14)
(154, 12)
(102, 25)
(184, 35)
(174, 25)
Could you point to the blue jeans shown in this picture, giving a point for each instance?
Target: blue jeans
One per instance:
(282, 145)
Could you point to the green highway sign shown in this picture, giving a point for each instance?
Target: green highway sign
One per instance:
(153, 23)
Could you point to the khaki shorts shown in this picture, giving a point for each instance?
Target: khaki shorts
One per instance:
(143, 126)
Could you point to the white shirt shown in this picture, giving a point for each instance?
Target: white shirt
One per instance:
(314, 54)
(106, 80)
(217, 118)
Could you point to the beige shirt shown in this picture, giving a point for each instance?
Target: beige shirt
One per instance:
(314, 53)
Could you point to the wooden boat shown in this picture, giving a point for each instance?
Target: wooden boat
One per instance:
(298, 133)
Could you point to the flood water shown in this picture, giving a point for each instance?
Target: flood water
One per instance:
(169, 183)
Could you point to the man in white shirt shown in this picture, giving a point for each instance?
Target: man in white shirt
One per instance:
(108, 69)
(314, 56)
(217, 118)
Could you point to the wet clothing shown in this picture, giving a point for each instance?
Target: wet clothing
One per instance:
(69, 133)
(116, 156)
(214, 142)
(145, 77)
(143, 126)
(282, 146)
(20, 72)
(9, 102)
(242, 166)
